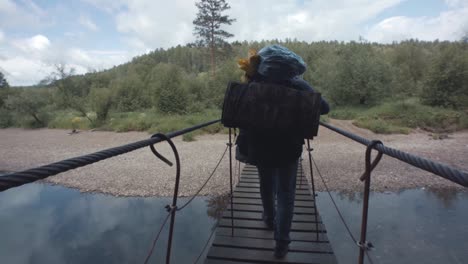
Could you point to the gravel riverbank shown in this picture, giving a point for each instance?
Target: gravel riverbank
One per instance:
(139, 173)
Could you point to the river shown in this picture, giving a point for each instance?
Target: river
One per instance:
(41, 223)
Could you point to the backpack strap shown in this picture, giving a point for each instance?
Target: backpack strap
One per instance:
(268, 106)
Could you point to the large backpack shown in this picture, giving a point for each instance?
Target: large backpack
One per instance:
(271, 107)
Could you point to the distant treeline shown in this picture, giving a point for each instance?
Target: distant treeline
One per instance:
(178, 81)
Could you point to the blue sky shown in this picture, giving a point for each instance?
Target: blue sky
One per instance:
(98, 34)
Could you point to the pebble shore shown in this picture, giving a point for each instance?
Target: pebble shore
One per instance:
(139, 173)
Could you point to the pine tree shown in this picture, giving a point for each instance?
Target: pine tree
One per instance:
(3, 81)
(208, 25)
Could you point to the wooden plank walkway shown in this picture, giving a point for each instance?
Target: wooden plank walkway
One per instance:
(253, 242)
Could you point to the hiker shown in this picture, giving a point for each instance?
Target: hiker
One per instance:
(275, 153)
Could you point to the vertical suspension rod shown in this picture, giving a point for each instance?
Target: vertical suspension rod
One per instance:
(230, 181)
(309, 149)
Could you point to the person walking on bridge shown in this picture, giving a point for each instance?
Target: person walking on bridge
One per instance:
(276, 154)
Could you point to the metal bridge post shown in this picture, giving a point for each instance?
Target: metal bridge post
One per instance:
(309, 149)
(366, 177)
(173, 207)
(230, 181)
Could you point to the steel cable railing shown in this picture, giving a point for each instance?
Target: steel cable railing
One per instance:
(23, 177)
(447, 172)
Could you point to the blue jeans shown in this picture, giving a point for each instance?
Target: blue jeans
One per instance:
(279, 183)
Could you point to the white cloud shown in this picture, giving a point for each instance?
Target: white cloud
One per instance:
(27, 14)
(160, 23)
(157, 23)
(145, 25)
(456, 3)
(449, 25)
(35, 44)
(24, 71)
(88, 23)
(27, 61)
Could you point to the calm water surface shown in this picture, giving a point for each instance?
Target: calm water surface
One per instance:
(40, 223)
(413, 226)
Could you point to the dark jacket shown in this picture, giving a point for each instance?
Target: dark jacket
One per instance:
(272, 148)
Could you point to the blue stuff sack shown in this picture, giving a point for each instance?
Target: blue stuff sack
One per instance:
(279, 63)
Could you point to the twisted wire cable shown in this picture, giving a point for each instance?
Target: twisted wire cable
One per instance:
(156, 239)
(338, 211)
(445, 171)
(27, 176)
(213, 229)
(204, 184)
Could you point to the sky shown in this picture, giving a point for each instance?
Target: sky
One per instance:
(99, 34)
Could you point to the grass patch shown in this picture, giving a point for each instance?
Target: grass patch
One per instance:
(347, 112)
(155, 122)
(401, 117)
(325, 118)
(68, 120)
(380, 126)
(189, 137)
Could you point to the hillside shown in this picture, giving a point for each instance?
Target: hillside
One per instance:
(176, 84)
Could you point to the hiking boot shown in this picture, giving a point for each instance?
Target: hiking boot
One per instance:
(281, 250)
(270, 224)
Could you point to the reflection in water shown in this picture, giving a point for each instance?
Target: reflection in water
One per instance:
(412, 226)
(51, 224)
(216, 205)
(40, 223)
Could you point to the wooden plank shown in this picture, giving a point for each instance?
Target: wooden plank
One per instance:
(253, 242)
(257, 190)
(258, 216)
(257, 195)
(267, 257)
(258, 224)
(255, 176)
(268, 234)
(251, 180)
(299, 184)
(257, 185)
(223, 261)
(258, 201)
(259, 208)
(269, 244)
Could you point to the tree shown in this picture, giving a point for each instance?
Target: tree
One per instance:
(447, 81)
(361, 76)
(71, 92)
(3, 81)
(4, 91)
(30, 102)
(208, 25)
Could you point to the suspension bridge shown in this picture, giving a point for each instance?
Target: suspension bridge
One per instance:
(240, 236)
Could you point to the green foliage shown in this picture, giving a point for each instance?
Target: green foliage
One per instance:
(31, 103)
(325, 118)
(101, 102)
(189, 137)
(361, 76)
(209, 21)
(69, 120)
(380, 126)
(3, 82)
(400, 117)
(6, 118)
(131, 94)
(171, 89)
(208, 26)
(154, 121)
(346, 112)
(447, 82)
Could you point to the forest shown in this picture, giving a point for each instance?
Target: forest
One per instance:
(388, 88)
